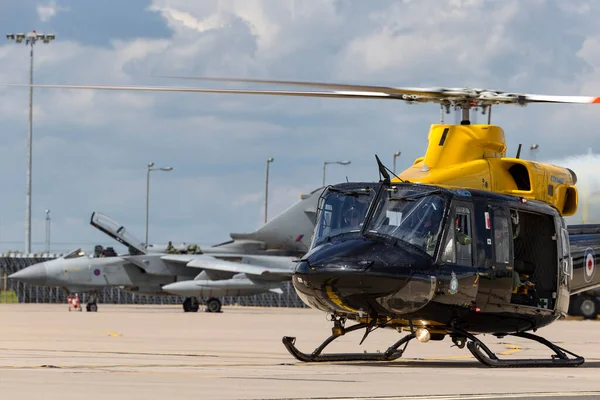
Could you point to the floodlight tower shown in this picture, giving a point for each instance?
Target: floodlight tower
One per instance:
(396, 154)
(332, 162)
(148, 170)
(30, 39)
(269, 161)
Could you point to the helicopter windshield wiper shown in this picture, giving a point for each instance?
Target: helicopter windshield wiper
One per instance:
(416, 196)
(336, 236)
(356, 192)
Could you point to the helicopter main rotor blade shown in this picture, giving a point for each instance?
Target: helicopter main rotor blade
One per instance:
(323, 85)
(465, 97)
(340, 94)
(540, 98)
(434, 93)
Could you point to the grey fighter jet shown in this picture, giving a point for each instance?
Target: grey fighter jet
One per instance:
(250, 263)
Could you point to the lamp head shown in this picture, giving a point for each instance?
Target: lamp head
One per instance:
(270, 159)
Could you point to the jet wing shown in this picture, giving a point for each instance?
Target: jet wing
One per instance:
(117, 232)
(209, 263)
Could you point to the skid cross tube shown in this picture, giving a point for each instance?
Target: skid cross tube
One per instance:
(390, 354)
(485, 356)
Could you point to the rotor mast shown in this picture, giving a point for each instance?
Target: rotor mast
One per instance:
(465, 114)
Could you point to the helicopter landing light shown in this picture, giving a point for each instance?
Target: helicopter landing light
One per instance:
(423, 335)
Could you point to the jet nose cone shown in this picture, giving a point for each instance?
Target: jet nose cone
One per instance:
(33, 275)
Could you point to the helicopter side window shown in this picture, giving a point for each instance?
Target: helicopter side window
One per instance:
(326, 215)
(501, 239)
(457, 249)
(339, 214)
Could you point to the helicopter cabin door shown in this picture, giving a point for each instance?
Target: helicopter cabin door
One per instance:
(495, 257)
(457, 252)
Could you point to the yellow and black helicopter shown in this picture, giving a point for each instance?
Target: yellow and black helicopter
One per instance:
(466, 241)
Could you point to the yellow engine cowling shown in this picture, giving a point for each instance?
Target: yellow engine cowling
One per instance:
(473, 156)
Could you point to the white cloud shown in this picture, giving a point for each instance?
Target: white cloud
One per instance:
(49, 10)
(91, 148)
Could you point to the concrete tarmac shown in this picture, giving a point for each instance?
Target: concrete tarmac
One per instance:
(152, 352)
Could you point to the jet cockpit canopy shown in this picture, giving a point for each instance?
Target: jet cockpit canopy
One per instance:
(117, 232)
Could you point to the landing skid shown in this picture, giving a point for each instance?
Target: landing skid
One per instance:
(390, 354)
(485, 356)
(479, 350)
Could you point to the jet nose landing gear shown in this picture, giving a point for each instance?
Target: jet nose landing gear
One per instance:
(191, 304)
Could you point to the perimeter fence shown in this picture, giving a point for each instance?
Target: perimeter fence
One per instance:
(25, 293)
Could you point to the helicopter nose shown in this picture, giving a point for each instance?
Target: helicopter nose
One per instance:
(364, 275)
(33, 275)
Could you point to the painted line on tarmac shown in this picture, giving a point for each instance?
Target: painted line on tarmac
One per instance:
(237, 354)
(457, 397)
(513, 348)
(154, 365)
(127, 353)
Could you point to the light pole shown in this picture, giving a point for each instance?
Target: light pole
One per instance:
(47, 231)
(30, 39)
(269, 161)
(396, 154)
(332, 162)
(150, 165)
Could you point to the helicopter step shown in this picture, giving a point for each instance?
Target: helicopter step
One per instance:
(485, 356)
(390, 354)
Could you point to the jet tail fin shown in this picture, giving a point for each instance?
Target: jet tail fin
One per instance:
(292, 229)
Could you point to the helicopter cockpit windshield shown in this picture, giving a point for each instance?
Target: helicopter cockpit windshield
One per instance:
(342, 211)
(412, 216)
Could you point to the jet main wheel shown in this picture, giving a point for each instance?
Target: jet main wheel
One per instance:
(587, 307)
(194, 305)
(190, 304)
(213, 305)
(91, 307)
(187, 302)
(584, 305)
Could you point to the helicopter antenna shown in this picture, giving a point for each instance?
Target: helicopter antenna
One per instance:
(519, 151)
(382, 171)
(490, 115)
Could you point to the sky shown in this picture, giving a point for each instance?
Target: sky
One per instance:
(91, 148)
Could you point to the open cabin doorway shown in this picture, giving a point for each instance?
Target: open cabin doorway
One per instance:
(535, 259)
